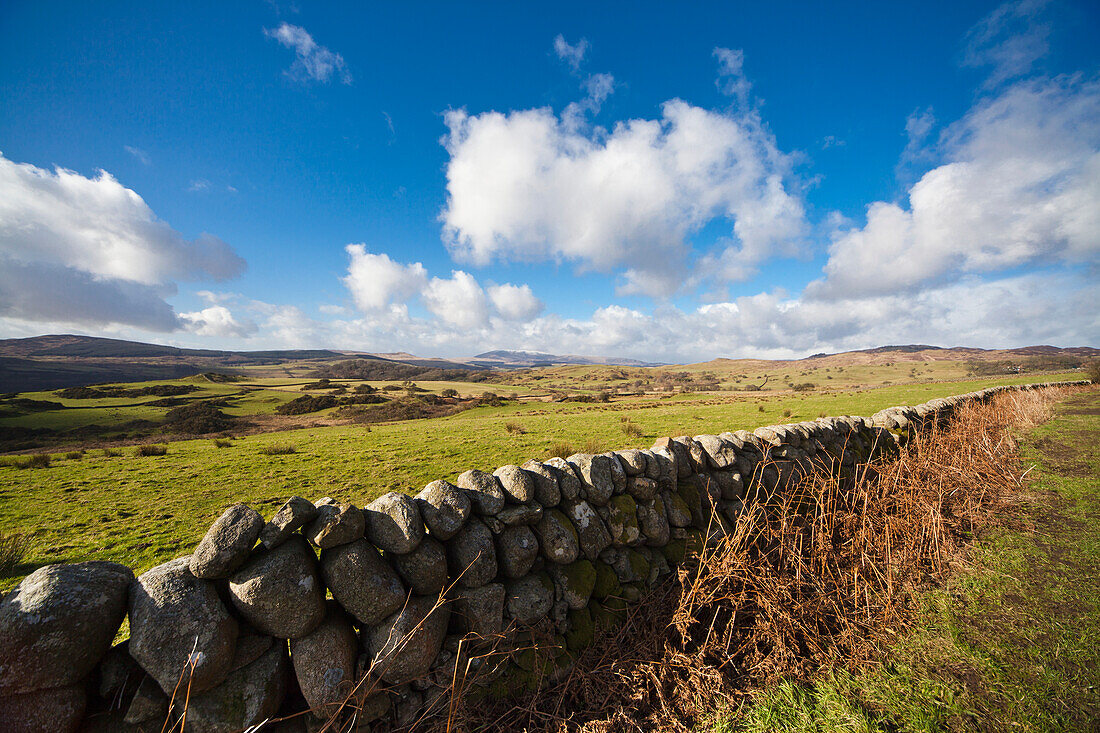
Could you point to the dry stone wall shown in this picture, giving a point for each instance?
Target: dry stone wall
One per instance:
(365, 612)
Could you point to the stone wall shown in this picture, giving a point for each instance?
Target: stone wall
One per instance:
(372, 608)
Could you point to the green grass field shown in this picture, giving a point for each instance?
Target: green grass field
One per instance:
(144, 510)
(1011, 643)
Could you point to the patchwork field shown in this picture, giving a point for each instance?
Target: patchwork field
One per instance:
(110, 503)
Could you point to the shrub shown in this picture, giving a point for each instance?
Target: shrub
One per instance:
(804, 387)
(364, 389)
(111, 453)
(197, 418)
(786, 413)
(491, 399)
(449, 392)
(760, 408)
(278, 449)
(13, 547)
(75, 455)
(306, 404)
(632, 430)
(151, 449)
(223, 443)
(37, 460)
(1092, 369)
(514, 428)
(593, 445)
(561, 449)
(391, 388)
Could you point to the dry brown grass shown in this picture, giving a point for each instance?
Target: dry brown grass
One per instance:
(818, 579)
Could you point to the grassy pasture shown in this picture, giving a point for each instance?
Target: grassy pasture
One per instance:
(144, 510)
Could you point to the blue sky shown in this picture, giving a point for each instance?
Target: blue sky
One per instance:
(669, 183)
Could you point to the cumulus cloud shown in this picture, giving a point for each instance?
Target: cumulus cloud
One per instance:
(458, 300)
(1021, 187)
(313, 62)
(218, 321)
(515, 302)
(1009, 40)
(90, 250)
(529, 186)
(571, 54)
(375, 281)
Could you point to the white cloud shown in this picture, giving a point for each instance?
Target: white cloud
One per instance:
(218, 321)
(1021, 187)
(1009, 39)
(515, 302)
(90, 250)
(571, 54)
(731, 75)
(141, 156)
(376, 281)
(313, 61)
(458, 301)
(529, 186)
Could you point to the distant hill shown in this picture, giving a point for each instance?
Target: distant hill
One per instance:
(504, 359)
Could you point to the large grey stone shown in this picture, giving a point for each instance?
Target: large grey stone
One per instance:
(597, 484)
(404, 646)
(676, 510)
(278, 591)
(574, 583)
(471, 557)
(557, 537)
(292, 516)
(179, 628)
(425, 568)
(480, 610)
(517, 549)
(653, 522)
(324, 662)
(514, 515)
(720, 453)
(336, 524)
(591, 531)
(484, 491)
(622, 520)
(227, 543)
(59, 622)
(618, 475)
(518, 485)
(529, 598)
(249, 696)
(55, 710)
(444, 508)
(547, 492)
(394, 524)
(633, 461)
(568, 483)
(361, 581)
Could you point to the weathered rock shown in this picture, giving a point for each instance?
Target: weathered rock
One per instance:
(664, 468)
(729, 484)
(653, 522)
(517, 549)
(149, 704)
(227, 543)
(574, 583)
(278, 591)
(618, 475)
(547, 492)
(59, 622)
(336, 524)
(250, 695)
(394, 524)
(633, 461)
(292, 516)
(622, 520)
(591, 532)
(720, 453)
(55, 710)
(405, 644)
(471, 557)
(676, 510)
(444, 508)
(568, 482)
(597, 485)
(484, 491)
(425, 568)
(324, 662)
(529, 598)
(519, 486)
(557, 537)
(481, 610)
(250, 647)
(641, 488)
(179, 628)
(361, 581)
(514, 515)
(630, 565)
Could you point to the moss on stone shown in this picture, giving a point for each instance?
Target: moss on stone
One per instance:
(579, 578)
(607, 583)
(582, 628)
(639, 564)
(674, 552)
